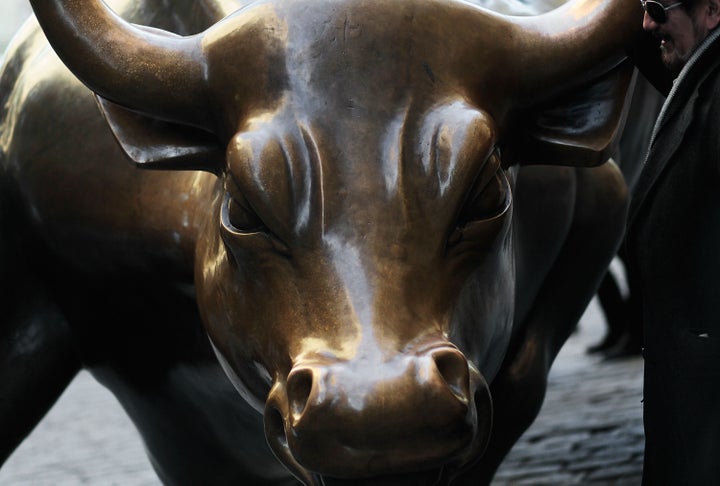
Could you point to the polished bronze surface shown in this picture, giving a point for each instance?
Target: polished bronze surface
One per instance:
(346, 200)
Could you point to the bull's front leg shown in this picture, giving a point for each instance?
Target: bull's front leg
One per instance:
(37, 357)
(592, 240)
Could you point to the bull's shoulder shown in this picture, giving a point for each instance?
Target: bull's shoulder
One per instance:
(552, 204)
(23, 48)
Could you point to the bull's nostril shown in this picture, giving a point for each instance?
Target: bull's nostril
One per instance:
(453, 368)
(299, 386)
(278, 442)
(275, 427)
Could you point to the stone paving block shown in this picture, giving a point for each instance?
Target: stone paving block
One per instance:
(533, 471)
(563, 440)
(605, 441)
(613, 473)
(632, 451)
(625, 481)
(551, 480)
(595, 464)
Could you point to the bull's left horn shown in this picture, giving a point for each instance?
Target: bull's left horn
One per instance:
(145, 70)
(573, 43)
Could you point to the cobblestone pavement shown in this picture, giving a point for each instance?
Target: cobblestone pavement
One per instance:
(588, 432)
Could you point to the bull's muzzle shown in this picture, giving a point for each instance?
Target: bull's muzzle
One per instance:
(419, 411)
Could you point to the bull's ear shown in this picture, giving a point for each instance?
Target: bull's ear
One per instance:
(580, 127)
(156, 144)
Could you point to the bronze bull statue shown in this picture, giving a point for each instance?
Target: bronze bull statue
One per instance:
(342, 204)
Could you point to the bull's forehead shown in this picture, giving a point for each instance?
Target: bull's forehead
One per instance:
(363, 59)
(414, 168)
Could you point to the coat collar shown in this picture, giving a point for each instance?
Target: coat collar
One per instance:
(679, 109)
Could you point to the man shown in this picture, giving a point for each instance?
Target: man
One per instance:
(674, 244)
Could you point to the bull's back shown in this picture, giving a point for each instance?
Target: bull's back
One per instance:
(81, 194)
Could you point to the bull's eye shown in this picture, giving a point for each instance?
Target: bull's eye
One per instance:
(490, 195)
(239, 218)
(486, 202)
(482, 216)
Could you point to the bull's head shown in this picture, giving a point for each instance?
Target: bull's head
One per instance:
(357, 263)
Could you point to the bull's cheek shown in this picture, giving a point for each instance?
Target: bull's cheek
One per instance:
(225, 318)
(481, 324)
(485, 320)
(249, 385)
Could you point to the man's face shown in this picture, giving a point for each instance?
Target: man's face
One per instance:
(681, 33)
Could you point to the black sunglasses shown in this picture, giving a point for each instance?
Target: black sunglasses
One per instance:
(657, 11)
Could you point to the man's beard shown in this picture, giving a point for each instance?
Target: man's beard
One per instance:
(674, 61)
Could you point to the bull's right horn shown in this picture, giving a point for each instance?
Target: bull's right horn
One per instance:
(145, 70)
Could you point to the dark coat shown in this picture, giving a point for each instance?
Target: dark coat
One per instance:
(674, 245)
